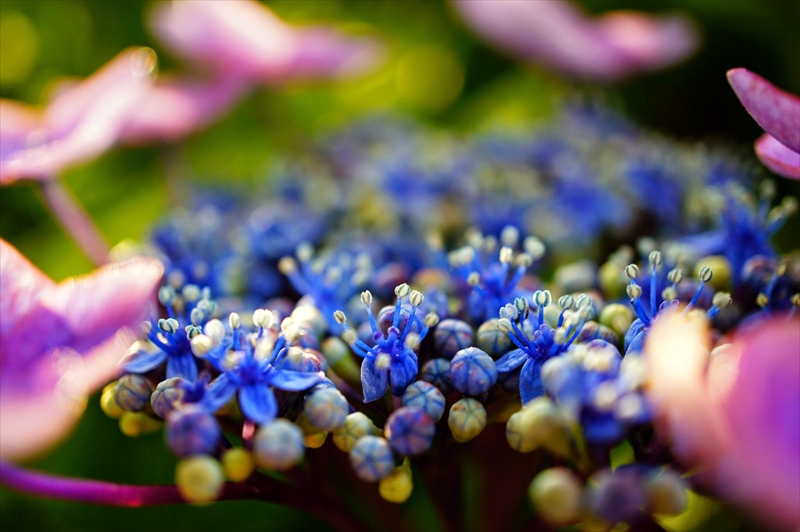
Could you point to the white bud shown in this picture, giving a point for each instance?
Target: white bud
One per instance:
(366, 297)
(416, 298)
(287, 265)
(201, 344)
(402, 290)
(506, 255)
(340, 318)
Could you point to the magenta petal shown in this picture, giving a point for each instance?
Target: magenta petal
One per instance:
(245, 40)
(36, 417)
(85, 120)
(559, 36)
(777, 157)
(775, 110)
(175, 108)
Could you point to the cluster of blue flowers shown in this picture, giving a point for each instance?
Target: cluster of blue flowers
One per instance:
(454, 248)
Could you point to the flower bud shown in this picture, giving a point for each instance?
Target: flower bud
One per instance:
(425, 397)
(326, 409)
(397, 486)
(472, 372)
(355, 426)
(556, 494)
(467, 419)
(238, 464)
(371, 458)
(133, 392)
(199, 478)
(278, 446)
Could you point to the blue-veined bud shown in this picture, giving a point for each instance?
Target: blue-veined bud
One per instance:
(355, 426)
(491, 340)
(437, 372)
(472, 371)
(167, 396)
(191, 430)
(326, 409)
(409, 431)
(466, 420)
(278, 446)
(372, 458)
(452, 335)
(133, 392)
(425, 397)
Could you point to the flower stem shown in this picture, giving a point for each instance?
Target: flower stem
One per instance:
(65, 208)
(257, 487)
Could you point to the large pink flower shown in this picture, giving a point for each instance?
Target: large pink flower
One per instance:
(733, 413)
(81, 123)
(778, 112)
(60, 342)
(557, 35)
(243, 40)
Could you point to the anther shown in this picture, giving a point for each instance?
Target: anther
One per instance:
(632, 271)
(534, 247)
(542, 298)
(705, 274)
(340, 317)
(416, 298)
(366, 297)
(633, 291)
(509, 236)
(431, 319)
(305, 252)
(287, 265)
(234, 321)
(402, 290)
(675, 276)
(722, 300)
(474, 279)
(166, 295)
(655, 258)
(566, 301)
(506, 255)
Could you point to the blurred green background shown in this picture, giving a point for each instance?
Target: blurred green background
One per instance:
(435, 70)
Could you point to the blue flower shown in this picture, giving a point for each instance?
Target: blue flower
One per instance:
(537, 344)
(329, 282)
(494, 278)
(250, 365)
(391, 361)
(170, 339)
(662, 297)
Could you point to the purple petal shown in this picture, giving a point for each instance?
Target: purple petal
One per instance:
(85, 120)
(373, 380)
(293, 381)
(20, 284)
(142, 361)
(258, 403)
(35, 417)
(219, 392)
(775, 110)
(245, 40)
(559, 36)
(177, 107)
(402, 372)
(530, 381)
(777, 157)
(511, 361)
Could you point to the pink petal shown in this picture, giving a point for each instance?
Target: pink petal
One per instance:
(245, 40)
(650, 42)
(20, 284)
(35, 419)
(86, 120)
(325, 53)
(677, 351)
(17, 122)
(775, 110)
(559, 36)
(175, 108)
(777, 157)
(762, 411)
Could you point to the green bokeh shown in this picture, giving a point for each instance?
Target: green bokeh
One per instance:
(127, 190)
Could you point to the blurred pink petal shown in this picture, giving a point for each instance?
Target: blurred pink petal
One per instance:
(244, 40)
(775, 110)
(557, 35)
(60, 342)
(175, 108)
(81, 123)
(777, 157)
(734, 415)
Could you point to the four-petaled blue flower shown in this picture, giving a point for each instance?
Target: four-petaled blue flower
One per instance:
(170, 338)
(392, 360)
(536, 345)
(250, 364)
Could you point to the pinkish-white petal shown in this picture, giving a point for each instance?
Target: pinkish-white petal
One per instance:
(85, 120)
(34, 418)
(677, 351)
(651, 42)
(777, 157)
(243, 39)
(775, 110)
(175, 108)
(20, 285)
(761, 410)
(557, 35)
(17, 122)
(95, 306)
